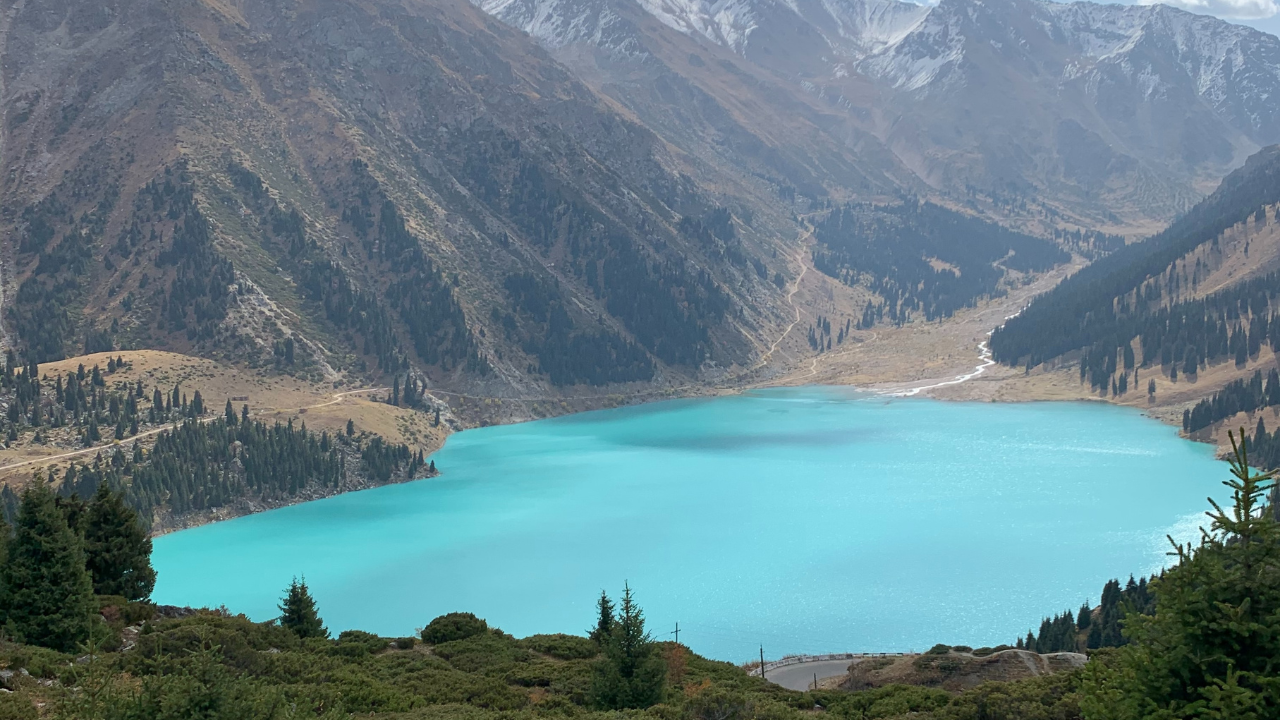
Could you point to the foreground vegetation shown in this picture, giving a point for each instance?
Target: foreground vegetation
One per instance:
(81, 641)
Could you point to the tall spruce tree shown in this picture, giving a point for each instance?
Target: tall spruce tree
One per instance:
(117, 548)
(48, 598)
(604, 619)
(631, 674)
(1210, 650)
(298, 611)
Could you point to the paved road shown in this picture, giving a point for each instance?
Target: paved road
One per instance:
(800, 677)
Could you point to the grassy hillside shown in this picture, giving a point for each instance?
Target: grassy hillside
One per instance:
(212, 665)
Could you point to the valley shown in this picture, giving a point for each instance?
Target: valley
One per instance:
(854, 326)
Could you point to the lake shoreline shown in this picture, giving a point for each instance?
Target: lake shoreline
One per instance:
(783, 459)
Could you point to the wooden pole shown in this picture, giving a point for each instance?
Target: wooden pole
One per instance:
(761, 662)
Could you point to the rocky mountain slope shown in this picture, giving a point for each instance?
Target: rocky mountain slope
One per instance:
(341, 189)
(348, 190)
(1111, 115)
(1182, 316)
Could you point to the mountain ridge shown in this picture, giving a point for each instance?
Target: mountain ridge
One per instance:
(1114, 115)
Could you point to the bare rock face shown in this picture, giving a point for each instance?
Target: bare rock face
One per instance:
(955, 670)
(1109, 112)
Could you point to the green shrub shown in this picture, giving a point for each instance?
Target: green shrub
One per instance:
(490, 653)
(454, 626)
(938, 649)
(40, 662)
(357, 643)
(1051, 697)
(17, 706)
(564, 647)
(117, 608)
(404, 643)
(885, 702)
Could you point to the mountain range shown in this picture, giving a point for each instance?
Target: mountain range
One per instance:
(1108, 114)
(529, 195)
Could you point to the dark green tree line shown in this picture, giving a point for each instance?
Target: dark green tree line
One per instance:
(892, 249)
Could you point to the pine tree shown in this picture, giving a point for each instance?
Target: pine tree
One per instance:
(117, 548)
(298, 611)
(631, 674)
(48, 597)
(604, 619)
(230, 414)
(1210, 649)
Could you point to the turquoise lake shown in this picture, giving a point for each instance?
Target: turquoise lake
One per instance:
(803, 520)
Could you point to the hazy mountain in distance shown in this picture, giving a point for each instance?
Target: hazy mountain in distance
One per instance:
(1116, 114)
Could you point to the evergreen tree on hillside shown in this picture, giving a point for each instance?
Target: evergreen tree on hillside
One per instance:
(631, 674)
(117, 548)
(1210, 649)
(298, 612)
(604, 619)
(73, 509)
(1110, 614)
(48, 596)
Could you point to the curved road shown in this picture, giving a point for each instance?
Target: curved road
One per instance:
(800, 676)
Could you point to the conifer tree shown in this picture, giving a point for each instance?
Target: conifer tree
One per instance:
(1210, 649)
(117, 548)
(604, 619)
(48, 595)
(631, 674)
(230, 414)
(298, 611)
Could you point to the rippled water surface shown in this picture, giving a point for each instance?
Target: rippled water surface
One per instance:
(806, 520)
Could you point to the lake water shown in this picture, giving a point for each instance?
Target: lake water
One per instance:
(803, 520)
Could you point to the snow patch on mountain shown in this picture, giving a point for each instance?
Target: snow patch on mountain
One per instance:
(922, 49)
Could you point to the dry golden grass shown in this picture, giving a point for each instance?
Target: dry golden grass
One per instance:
(271, 396)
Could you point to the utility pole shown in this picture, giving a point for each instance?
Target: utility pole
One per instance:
(677, 632)
(761, 662)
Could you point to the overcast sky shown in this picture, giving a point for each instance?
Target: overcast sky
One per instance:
(1262, 14)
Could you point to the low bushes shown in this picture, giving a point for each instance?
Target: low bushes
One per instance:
(454, 626)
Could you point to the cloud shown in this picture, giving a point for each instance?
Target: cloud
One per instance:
(1230, 9)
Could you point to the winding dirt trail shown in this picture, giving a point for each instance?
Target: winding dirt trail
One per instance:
(336, 398)
(791, 299)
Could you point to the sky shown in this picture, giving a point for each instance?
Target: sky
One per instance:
(1261, 14)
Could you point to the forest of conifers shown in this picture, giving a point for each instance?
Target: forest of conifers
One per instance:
(1137, 294)
(200, 463)
(923, 259)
